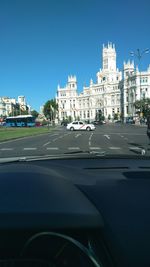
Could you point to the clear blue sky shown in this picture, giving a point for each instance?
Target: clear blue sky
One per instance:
(44, 41)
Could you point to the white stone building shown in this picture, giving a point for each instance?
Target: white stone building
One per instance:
(111, 94)
(136, 86)
(67, 99)
(7, 105)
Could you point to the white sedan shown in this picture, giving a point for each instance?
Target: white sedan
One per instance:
(79, 125)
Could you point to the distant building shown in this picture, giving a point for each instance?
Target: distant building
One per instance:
(2, 108)
(42, 109)
(136, 86)
(22, 103)
(112, 95)
(103, 96)
(10, 105)
(6, 105)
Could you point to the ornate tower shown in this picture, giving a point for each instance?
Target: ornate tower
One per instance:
(109, 57)
(72, 82)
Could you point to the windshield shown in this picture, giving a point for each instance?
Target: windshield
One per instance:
(74, 78)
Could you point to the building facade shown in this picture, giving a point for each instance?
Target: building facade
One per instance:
(10, 105)
(113, 94)
(136, 86)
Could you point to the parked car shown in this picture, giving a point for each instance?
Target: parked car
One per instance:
(130, 121)
(117, 121)
(98, 122)
(95, 122)
(79, 125)
(38, 124)
(64, 123)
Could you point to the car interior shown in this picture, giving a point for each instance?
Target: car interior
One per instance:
(75, 212)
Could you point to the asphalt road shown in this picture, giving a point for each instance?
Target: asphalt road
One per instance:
(110, 139)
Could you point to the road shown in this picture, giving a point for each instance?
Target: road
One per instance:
(110, 139)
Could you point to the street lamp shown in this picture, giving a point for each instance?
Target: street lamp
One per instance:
(139, 55)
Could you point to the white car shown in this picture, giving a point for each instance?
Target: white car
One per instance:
(80, 125)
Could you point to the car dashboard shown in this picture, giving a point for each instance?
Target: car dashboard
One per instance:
(75, 212)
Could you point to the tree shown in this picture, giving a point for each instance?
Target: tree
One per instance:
(50, 109)
(143, 107)
(34, 113)
(116, 115)
(99, 116)
(70, 119)
(109, 117)
(16, 110)
(24, 112)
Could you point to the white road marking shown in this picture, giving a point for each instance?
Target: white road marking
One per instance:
(74, 148)
(29, 148)
(91, 136)
(107, 136)
(138, 134)
(90, 139)
(143, 152)
(6, 149)
(47, 143)
(95, 148)
(55, 139)
(76, 136)
(52, 148)
(114, 147)
(135, 148)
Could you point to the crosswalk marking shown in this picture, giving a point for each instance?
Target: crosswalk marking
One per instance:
(6, 149)
(52, 148)
(30, 148)
(73, 148)
(95, 147)
(114, 147)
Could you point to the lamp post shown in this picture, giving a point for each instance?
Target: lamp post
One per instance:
(139, 55)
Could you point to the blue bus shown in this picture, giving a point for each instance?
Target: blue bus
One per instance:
(20, 121)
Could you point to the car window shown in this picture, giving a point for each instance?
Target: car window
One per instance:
(50, 90)
(75, 131)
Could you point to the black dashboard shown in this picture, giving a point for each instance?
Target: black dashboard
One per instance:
(75, 212)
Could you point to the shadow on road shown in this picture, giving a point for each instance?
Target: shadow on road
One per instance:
(136, 145)
(137, 149)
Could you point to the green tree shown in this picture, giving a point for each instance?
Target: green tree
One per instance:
(34, 113)
(116, 115)
(50, 109)
(69, 119)
(143, 107)
(99, 116)
(109, 117)
(16, 110)
(24, 112)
